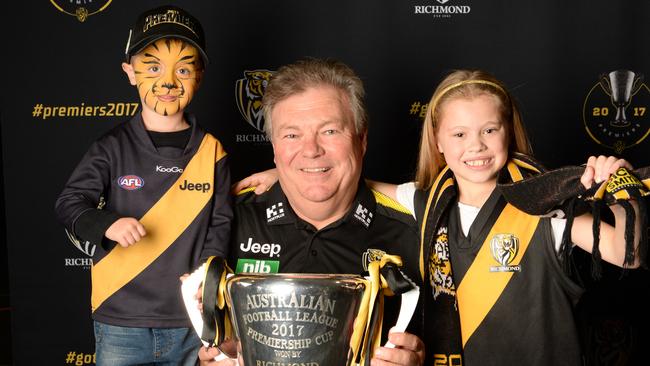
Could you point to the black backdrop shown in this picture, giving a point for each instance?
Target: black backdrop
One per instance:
(550, 53)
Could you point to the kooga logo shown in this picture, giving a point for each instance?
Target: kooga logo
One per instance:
(174, 169)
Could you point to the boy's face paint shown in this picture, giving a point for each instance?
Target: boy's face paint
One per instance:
(167, 75)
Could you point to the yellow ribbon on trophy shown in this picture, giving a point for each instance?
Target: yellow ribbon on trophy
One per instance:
(384, 278)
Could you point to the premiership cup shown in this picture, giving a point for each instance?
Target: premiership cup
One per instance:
(620, 85)
(294, 319)
(297, 319)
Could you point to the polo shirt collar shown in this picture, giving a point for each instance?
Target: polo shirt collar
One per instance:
(362, 211)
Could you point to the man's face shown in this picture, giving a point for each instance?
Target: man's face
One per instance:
(167, 75)
(318, 153)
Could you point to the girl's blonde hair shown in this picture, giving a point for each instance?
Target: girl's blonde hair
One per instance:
(467, 84)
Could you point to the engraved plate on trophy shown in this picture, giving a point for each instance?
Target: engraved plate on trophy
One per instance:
(302, 319)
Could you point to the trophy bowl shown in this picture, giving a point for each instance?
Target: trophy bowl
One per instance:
(294, 319)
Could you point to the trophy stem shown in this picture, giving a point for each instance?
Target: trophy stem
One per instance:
(621, 119)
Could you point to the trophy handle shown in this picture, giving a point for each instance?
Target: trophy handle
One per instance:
(189, 287)
(638, 82)
(382, 274)
(605, 84)
(407, 308)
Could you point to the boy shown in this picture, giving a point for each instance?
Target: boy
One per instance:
(164, 182)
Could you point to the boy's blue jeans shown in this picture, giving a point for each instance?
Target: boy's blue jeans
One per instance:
(122, 346)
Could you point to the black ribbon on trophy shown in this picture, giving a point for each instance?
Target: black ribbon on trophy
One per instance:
(548, 192)
(216, 325)
(299, 318)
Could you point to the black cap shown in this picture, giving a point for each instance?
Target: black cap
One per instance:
(165, 22)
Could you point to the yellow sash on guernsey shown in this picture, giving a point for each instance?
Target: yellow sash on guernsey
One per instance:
(480, 288)
(164, 222)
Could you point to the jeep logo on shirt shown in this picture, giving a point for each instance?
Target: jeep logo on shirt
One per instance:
(203, 187)
(271, 249)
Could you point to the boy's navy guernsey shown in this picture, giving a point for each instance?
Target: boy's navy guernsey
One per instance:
(132, 175)
(268, 237)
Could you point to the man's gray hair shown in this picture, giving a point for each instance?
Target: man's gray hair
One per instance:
(296, 78)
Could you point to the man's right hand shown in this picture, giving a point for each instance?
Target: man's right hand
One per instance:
(126, 231)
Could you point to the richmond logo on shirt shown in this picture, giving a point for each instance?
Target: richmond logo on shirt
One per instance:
(130, 182)
(504, 249)
(371, 255)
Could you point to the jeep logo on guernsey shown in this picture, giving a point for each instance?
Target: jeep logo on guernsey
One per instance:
(130, 182)
(272, 249)
(200, 187)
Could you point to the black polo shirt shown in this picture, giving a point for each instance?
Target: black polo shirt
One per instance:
(268, 237)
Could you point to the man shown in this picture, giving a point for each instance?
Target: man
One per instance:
(321, 217)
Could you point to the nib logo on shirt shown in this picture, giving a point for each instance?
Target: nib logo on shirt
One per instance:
(256, 266)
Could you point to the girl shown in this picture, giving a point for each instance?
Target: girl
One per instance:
(496, 293)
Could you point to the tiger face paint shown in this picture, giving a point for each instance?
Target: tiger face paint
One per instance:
(167, 74)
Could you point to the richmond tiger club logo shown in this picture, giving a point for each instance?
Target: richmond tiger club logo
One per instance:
(504, 248)
(615, 111)
(81, 9)
(248, 95)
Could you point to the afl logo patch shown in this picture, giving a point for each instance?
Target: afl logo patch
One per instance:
(130, 182)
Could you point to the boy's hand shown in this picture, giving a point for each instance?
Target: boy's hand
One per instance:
(126, 231)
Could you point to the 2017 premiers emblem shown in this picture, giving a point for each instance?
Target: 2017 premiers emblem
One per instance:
(615, 112)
